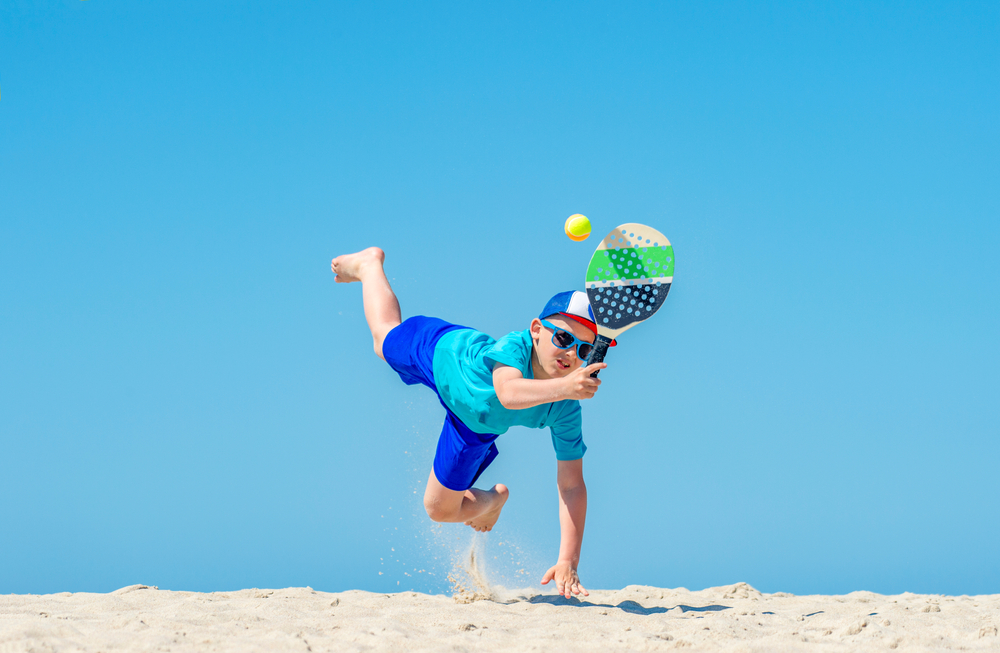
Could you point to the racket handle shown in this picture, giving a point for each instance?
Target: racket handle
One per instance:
(600, 349)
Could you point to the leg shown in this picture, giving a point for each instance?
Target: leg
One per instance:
(476, 508)
(381, 305)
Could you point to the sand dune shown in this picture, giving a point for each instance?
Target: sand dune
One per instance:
(636, 618)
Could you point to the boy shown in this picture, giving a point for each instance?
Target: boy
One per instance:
(531, 378)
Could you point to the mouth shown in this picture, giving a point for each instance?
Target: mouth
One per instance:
(562, 365)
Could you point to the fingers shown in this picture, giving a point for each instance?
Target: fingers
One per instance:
(569, 586)
(586, 386)
(594, 367)
(567, 582)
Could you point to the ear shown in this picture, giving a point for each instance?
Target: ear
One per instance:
(536, 330)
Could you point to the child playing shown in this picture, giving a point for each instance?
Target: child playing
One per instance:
(527, 378)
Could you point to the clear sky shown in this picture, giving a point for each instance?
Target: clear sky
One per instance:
(188, 400)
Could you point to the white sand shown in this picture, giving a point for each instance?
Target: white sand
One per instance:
(637, 618)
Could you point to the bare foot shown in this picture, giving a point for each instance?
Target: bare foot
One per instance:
(350, 267)
(485, 521)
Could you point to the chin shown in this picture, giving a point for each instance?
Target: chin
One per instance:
(559, 372)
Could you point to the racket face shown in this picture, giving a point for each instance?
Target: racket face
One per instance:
(629, 276)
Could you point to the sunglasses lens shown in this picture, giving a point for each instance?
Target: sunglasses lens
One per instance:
(584, 351)
(563, 340)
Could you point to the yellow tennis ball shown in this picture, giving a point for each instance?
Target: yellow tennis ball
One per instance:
(577, 227)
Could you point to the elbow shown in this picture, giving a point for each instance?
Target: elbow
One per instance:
(569, 478)
(574, 487)
(504, 399)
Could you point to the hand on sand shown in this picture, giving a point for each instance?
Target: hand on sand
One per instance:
(579, 384)
(567, 580)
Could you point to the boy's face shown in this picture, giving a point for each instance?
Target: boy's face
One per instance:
(550, 362)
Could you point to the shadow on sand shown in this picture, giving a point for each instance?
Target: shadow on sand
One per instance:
(627, 606)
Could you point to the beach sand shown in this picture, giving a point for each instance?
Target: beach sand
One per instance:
(636, 618)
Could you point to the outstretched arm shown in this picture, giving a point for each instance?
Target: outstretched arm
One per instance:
(517, 393)
(572, 515)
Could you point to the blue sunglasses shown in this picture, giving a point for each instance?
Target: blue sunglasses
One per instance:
(563, 339)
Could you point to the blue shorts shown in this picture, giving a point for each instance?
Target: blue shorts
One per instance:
(462, 454)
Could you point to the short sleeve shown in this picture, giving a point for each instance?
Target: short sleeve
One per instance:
(511, 350)
(567, 430)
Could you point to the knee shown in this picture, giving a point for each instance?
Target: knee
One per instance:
(379, 335)
(437, 512)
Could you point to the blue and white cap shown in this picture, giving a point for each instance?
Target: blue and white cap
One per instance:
(574, 305)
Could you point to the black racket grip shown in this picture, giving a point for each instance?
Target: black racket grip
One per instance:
(597, 355)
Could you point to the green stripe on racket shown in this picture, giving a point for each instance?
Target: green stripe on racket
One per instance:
(628, 279)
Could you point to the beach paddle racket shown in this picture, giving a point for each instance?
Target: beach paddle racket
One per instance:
(628, 279)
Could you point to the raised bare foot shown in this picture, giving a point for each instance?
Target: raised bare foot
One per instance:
(350, 267)
(485, 521)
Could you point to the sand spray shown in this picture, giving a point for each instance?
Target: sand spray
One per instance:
(451, 558)
(493, 571)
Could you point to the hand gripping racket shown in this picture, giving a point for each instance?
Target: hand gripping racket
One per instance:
(628, 279)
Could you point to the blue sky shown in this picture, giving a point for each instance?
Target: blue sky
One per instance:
(189, 401)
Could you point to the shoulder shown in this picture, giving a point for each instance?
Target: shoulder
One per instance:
(513, 349)
(521, 339)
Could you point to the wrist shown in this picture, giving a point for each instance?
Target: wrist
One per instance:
(564, 389)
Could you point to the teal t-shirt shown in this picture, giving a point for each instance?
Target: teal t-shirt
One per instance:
(463, 373)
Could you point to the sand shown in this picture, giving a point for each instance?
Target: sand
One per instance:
(636, 618)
